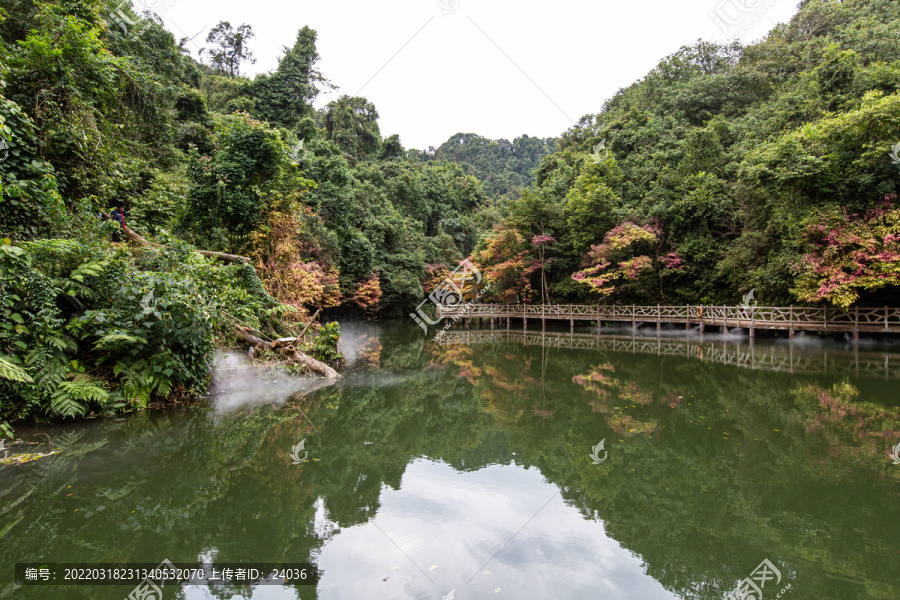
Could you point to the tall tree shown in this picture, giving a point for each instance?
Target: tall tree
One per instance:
(352, 124)
(285, 96)
(231, 48)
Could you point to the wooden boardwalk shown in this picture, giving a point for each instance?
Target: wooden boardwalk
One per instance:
(790, 319)
(770, 357)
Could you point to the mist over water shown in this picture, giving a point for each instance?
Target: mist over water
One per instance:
(239, 384)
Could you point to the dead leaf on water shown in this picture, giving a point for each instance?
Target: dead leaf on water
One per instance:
(24, 457)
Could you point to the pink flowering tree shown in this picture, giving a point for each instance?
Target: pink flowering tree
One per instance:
(850, 254)
(629, 253)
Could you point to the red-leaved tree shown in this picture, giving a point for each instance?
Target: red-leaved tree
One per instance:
(368, 296)
(850, 253)
(628, 253)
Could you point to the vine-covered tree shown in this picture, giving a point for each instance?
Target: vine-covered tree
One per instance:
(230, 49)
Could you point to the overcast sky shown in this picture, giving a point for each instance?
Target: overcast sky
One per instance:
(498, 68)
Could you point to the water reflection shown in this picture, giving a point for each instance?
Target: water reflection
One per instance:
(804, 354)
(468, 467)
(238, 384)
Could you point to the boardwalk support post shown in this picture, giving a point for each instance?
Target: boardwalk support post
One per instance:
(791, 326)
(856, 325)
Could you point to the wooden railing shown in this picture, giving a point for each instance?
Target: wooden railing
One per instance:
(763, 317)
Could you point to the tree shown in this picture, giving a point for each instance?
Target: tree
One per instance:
(627, 254)
(850, 254)
(352, 124)
(368, 296)
(231, 48)
(507, 263)
(285, 96)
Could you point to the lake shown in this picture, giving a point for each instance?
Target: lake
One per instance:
(493, 465)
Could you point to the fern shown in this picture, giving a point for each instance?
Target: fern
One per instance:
(71, 397)
(13, 372)
(52, 367)
(89, 269)
(62, 342)
(116, 337)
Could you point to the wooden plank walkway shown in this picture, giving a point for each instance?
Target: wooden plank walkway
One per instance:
(770, 357)
(791, 319)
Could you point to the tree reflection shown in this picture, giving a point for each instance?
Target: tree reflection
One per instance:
(697, 482)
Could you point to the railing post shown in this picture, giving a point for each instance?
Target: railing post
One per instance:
(791, 326)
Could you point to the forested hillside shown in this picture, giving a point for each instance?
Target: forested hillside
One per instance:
(103, 109)
(503, 167)
(725, 168)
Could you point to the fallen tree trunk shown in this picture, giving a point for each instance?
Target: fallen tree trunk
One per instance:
(142, 241)
(224, 256)
(286, 347)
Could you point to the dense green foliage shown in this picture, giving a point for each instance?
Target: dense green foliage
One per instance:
(504, 167)
(99, 328)
(723, 169)
(745, 161)
(101, 107)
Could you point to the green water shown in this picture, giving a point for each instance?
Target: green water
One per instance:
(467, 468)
